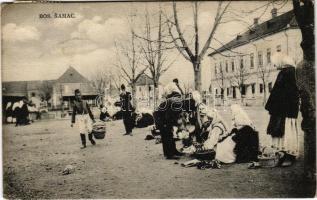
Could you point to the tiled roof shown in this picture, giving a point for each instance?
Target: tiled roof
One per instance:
(71, 75)
(274, 25)
(20, 88)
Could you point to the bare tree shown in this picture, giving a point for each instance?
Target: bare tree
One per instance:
(46, 90)
(196, 56)
(239, 78)
(220, 77)
(100, 80)
(129, 63)
(154, 51)
(264, 74)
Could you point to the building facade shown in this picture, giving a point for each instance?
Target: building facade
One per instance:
(58, 92)
(242, 70)
(145, 91)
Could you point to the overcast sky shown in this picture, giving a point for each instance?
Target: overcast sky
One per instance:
(37, 49)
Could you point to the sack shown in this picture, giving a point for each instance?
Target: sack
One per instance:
(99, 130)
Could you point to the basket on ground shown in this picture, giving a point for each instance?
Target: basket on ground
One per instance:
(268, 161)
(99, 130)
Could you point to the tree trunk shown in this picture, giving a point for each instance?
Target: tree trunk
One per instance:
(155, 93)
(264, 94)
(306, 82)
(197, 76)
(134, 102)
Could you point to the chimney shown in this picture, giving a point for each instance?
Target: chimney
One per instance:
(274, 12)
(256, 21)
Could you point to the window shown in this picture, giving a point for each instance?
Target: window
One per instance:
(251, 60)
(278, 48)
(260, 58)
(227, 66)
(232, 65)
(216, 91)
(241, 63)
(220, 68)
(253, 88)
(268, 56)
(228, 91)
(215, 68)
(270, 86)
(261, 88)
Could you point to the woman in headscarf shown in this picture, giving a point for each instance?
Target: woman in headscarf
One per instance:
(283, 107)
(244, 135)
(211, 134)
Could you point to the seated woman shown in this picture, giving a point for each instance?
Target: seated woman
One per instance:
(211, 134)
(244, 135)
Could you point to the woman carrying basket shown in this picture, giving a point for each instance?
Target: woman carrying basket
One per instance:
(84, 116)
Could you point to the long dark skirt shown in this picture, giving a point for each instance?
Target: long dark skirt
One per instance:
(168, 142)
(276, 127)
(128, 122)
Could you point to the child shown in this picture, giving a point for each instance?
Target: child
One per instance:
(82, 111)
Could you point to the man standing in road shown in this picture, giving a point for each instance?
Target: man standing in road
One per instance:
(126, 108)
(83, 114)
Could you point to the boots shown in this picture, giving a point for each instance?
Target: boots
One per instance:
(83, 140)
(91, 139)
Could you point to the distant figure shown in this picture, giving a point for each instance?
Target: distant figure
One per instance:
(177, 84)
(173, 90)
(127, 109)
(103, 113)
(9, 112)
(35, 103)
(83, 114)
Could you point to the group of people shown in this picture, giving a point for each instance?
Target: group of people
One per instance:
(211, 136)
(203, 130)
(23, 111)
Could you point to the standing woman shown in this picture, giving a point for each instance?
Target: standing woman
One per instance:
(283, 106)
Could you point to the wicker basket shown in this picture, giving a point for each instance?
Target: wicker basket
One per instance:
(268, 161)
(99, 130)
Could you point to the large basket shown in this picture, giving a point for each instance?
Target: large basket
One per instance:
(268, 161)
(99, 130)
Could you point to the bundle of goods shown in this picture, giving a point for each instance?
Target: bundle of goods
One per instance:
(269, 157)
(99, 130)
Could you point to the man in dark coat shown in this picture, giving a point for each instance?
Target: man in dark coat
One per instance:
(165, 117)
(283, 102)
(127, 109)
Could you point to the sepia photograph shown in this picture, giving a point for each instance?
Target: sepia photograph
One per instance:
(158, 99)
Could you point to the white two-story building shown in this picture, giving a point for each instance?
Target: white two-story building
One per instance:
(242, 69)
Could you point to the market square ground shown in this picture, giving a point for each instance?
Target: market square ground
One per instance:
(130, 167)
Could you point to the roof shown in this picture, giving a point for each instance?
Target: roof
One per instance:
(274, 25)
(21, 88)
(144, 80)
(71, 75)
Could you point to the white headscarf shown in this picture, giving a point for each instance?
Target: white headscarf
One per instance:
(240, 117)
(280, 60)
(171, 87)
(8, 105)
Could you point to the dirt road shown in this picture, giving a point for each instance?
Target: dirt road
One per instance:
(125, 167)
